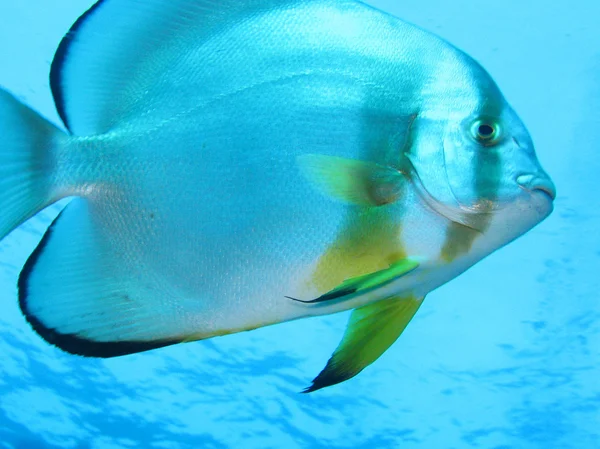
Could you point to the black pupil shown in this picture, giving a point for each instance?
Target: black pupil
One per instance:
(486, 131)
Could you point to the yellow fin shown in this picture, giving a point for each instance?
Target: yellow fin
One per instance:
(368, 281)
(370, 332)
(352, 181)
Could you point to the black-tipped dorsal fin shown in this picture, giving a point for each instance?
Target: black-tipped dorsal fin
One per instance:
(121, 54)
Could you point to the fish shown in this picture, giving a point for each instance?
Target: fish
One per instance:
(237, 164)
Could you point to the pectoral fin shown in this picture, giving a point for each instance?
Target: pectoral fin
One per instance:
(367, 281)
(370, 332)
(356, 182)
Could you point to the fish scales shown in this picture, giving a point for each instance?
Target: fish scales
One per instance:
(240, 164)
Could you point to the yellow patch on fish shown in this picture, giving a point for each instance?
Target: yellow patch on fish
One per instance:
(459, 240)
(370, 242)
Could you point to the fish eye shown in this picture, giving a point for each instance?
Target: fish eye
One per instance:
(485, 131)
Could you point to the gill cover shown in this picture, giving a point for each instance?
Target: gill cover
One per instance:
(466, 169)
(473, 162)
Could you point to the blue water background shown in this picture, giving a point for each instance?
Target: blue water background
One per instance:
(506, 356)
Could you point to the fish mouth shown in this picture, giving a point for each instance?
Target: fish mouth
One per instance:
(541, 190)
(538, 183)
(464, 216)
(551, 194)
(543, 200)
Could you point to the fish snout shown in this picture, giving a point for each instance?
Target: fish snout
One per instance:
(538, 182)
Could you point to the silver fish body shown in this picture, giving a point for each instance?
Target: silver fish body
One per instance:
(233, 162)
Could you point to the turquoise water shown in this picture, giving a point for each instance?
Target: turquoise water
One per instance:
(505, 356)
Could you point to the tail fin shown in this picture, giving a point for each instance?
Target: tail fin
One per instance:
(26, 163)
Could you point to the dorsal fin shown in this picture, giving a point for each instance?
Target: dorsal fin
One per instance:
(120, 52)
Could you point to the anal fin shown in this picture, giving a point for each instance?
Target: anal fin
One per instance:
(78, 295)
(370, 332)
